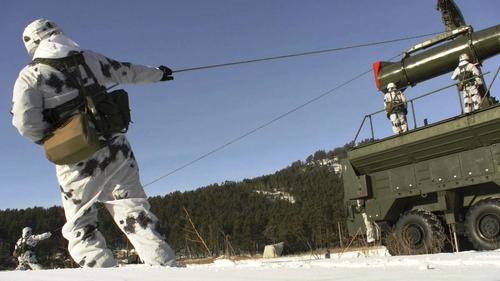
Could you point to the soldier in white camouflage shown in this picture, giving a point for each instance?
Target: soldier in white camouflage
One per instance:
(395, 107)
(25, 249)
(470, 83)
(110, 175)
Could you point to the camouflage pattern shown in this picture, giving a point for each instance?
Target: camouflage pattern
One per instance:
(470, 88)
(110, 175)
(40, 86)
(24, 250)
(399, 123)
(472, 99)
(395, 106)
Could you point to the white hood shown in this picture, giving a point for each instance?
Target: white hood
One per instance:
(56, 46)
(462, 63)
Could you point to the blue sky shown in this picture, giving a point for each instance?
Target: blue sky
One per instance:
(176, 122)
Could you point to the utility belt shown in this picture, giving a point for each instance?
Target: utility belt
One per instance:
(467, 77)
(466, 84)
(397, 108)
(81, 124)
(22, 248)
(469, 83)
(112, 112)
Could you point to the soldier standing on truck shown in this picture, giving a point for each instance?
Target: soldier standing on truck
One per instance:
(469, 83)
(395, 106)
(25, 247)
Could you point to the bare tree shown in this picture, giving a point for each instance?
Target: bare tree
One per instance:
(195, 231)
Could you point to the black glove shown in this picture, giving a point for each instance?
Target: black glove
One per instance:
(167, 73)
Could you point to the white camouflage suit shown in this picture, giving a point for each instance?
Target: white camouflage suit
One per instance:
(26, 258)
(110, 176)
(471, 95)
(25, 245)
(394, 112)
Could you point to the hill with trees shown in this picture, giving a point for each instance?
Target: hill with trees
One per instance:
(301, 205)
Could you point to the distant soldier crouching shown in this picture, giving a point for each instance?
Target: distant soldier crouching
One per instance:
(24, 249)
(395, 106)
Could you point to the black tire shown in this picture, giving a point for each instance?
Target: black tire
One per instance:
(417, 232)
(482, 224)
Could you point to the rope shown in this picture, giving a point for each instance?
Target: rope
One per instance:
(304, 53)
(290, 111)
(257, 129)
(295, 55)
(266, 124)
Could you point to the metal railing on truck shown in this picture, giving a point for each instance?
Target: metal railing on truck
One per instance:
(369, 117)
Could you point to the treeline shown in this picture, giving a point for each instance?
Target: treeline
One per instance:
(40, 219)
(300, 205)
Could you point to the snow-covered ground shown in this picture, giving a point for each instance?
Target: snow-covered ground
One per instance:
(352, 266)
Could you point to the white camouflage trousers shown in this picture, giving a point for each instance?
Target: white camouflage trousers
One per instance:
(110, 176)
(472, 98)
(28, 261)
(398, 121)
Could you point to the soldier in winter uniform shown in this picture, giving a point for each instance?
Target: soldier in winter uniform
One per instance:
(111, 174)
(24, 249)
(469, 83)
(395, 106)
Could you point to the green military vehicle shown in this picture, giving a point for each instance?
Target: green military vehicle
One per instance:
(438, 184)
(412, 184)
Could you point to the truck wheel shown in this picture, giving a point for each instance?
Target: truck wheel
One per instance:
(418, 232)
(482, 224)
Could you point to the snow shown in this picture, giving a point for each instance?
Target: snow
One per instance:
(374, 264)
(332, 163)
(279, 195)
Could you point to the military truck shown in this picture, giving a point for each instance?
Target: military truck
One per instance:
(437, 184)
(448, 172)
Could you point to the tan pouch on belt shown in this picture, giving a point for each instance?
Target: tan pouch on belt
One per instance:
(74, 141)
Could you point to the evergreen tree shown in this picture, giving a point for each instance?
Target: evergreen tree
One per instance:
(299, 205)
